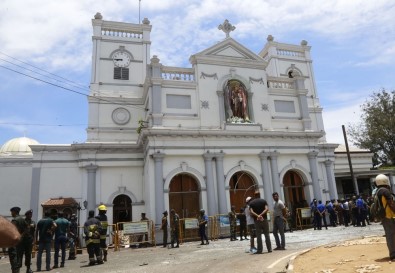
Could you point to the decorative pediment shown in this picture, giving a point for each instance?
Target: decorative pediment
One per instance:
(227, 50)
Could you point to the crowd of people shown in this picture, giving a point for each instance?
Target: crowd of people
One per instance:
(21, 235)
(24, 233)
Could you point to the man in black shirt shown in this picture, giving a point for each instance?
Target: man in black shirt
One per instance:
(259, 209)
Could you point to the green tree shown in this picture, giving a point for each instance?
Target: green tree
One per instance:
(376, 130)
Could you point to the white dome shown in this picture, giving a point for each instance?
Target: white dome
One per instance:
(18, 146)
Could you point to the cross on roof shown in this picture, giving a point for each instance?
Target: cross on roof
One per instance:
(226, 27)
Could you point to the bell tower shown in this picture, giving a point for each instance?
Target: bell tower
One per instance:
(120, 55)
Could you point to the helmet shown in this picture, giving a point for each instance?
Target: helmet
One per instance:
(382, 180)
(202, 211)
(248, 199)
(102, 207)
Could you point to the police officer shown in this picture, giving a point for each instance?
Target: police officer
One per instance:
(15, 253)
(202, 223)
(103, 233)
(92, 229)
(28, 240)
(163, 227)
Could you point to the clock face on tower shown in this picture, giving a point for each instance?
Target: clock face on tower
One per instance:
(121, 59)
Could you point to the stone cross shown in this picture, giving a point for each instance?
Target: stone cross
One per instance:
(226, 27)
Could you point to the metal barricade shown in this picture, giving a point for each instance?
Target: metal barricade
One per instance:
(303, 218)
(189, 229)
(136, 234)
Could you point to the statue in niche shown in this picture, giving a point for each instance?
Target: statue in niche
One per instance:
(237, 102)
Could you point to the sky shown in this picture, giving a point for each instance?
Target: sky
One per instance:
(46, 46)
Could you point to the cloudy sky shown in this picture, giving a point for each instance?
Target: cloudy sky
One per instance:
(45, 52)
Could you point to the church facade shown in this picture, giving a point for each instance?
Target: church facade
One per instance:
(161, 137)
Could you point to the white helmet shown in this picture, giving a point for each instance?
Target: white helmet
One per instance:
(382, 180)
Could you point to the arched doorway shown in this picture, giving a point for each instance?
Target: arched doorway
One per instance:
(241, 185)
(294, 190)
(122, 209)
(184, 195)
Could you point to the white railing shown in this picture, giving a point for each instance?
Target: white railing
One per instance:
(122, 33)
(178, 74)
(280, 84)
(291, 53)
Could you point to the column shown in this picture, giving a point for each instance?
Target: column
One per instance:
(156, 102)
(303, 105)
(222, 110)
(330, 178)
(159, 193)
(91, 187)
(275, 175)
(312, 156)
(212, 209)
(35, 193)
(219, 167)
(265, 175)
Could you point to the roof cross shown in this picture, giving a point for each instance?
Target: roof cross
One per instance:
(226, 27)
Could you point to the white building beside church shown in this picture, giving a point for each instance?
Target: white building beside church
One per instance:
(162, 137)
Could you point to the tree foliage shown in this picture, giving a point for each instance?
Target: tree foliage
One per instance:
(376, 130)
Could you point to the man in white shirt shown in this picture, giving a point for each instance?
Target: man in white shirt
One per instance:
(279, 217)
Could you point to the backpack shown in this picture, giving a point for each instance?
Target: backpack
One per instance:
(377, 211)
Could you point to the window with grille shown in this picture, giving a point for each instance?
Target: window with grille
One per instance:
(121, 73)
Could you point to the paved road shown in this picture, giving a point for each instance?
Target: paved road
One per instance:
(219, 256)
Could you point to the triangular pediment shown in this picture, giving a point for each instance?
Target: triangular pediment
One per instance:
(228, 48)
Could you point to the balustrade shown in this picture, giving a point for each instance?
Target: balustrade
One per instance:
(182, 74)
(290, 53)
(122, 33)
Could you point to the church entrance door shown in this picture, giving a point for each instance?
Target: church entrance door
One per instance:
(184, 195)
(122, 210)
(241, 185)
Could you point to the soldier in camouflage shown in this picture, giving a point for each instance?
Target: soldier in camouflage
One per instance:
(15, 253)
(233, 223)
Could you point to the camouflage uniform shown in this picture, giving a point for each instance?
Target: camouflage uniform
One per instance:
(233, 223)
(15, 253)
(28, 240)
(164, 228)
(175, 230)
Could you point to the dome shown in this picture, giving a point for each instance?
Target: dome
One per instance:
(18, 146)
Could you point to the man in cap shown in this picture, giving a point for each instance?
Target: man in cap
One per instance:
(387, 201)
(103, 232)
(175, 229)
(163, 227)
(202, 223)
(28, 240)
(15, 253)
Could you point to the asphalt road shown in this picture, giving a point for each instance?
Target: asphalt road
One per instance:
(219, 256)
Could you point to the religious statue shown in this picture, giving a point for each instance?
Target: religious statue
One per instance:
(238, 100)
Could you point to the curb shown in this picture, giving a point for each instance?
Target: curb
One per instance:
(290, 265)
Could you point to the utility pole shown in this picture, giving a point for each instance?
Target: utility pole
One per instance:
(354, 181)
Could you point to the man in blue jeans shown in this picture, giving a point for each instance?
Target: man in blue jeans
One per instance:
(279, 213)
(62, 228)
(44, 233)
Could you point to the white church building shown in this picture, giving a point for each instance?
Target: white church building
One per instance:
(161, 137)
